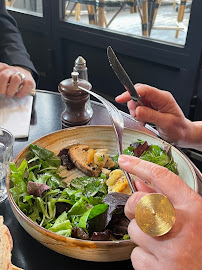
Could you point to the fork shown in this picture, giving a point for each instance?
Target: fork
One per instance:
(118, 124)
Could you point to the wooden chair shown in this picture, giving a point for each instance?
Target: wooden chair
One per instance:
(9, 3)
(180, 16)
(95, 11)
(121, 4)
(76, 10)
(181, 10)
(146, 19)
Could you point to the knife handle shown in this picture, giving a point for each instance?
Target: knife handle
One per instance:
(138, 100)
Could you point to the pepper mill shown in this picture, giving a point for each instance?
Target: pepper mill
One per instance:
(76, 100)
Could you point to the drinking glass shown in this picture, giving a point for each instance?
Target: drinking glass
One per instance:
(6, 155)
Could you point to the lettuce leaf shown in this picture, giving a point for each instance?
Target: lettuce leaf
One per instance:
(62, 225)
(91, 213)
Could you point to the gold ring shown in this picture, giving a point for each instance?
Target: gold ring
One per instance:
(22, 76)
(155, 214)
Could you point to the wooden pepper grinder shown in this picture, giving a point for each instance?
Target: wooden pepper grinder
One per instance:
(75, 113)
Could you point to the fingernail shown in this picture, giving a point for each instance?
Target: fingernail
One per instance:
(138, 85)
(132, 113)
(124, 159)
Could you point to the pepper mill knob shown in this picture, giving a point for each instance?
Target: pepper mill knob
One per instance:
(75, 113)
(75, 76)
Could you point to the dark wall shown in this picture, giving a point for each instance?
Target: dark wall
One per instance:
(38, 47)
(197, 102)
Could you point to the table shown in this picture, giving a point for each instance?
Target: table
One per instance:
(27, 252)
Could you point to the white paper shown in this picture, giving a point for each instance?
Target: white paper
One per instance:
(15, 115)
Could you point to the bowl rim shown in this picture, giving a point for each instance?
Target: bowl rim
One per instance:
(71, 239)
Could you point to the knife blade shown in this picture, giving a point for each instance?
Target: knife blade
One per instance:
(122, 75)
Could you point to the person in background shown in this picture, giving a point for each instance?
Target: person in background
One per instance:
(18, 75)
(181, 247)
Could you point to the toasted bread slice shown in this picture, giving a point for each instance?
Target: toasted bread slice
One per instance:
(78, 154)
(6, 245)
(93, 165)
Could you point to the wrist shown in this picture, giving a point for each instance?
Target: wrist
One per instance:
(191, 136)
(184, 132)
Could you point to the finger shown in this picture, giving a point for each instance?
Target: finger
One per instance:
(132, 108)
(157, 118)
(3, 66)
(27, 87)
(5, 76)
(13, 86)
(145, 241)
(162, 180)
(153, 245)
(143, 186)
(124, 97)
(142, 259)
(160, 100)
(132, 203)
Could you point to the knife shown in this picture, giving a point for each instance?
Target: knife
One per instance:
(122, 75)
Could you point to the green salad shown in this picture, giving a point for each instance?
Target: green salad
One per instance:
(82, 209)
(152, 153)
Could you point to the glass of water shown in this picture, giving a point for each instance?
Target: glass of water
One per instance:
(6, 156)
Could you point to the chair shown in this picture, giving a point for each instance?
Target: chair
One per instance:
(95, 12)
(147, 10)
(9, 3)
(76, 10)
(120, 4)
(181, 10)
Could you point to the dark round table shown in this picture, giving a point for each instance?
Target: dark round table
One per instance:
(27, 252)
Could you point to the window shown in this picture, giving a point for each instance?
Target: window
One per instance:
(30, 6)
(162, 20)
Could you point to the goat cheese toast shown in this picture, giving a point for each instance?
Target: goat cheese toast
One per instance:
(90, 161)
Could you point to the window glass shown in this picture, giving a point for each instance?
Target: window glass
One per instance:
(31, 6)
(163, 20)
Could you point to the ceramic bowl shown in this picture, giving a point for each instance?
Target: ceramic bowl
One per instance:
(96, 137)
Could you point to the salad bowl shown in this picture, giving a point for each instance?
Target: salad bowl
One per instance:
(96, 137)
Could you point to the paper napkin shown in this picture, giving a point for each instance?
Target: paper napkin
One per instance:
(15, 115)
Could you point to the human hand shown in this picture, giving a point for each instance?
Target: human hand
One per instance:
(161, 109)
(181, 247)
(12, 83)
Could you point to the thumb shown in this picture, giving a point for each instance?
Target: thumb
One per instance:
(162, 180)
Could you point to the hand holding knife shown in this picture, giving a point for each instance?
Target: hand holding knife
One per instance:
(123, 76)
